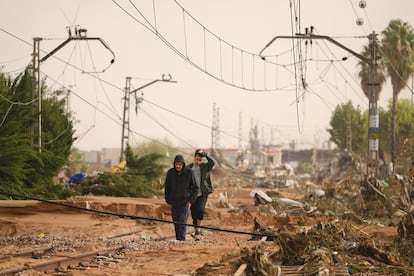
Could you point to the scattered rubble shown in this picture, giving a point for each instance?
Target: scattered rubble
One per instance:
(343, 202)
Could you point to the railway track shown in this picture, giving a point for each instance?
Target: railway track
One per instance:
(81, 261)
(62, 263)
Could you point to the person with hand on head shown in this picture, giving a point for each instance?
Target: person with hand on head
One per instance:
(201, 167)
(180, 192)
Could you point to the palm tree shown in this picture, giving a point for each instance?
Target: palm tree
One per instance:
(397, 50)
(364, 76)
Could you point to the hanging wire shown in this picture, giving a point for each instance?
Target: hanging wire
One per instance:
(155, 16)
(357, 16)
(253, 73)
(221, 62)
(174, 49)
(264, 74)
(102, 87)
(166, 129)
(293, 19)
(232, 65)
(242, 69)
(205, 49)
(97, 109)
(276, 74)
(185, 34)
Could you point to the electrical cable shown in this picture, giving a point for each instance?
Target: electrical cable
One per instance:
(134, 217)
(347, 71)
(12, 103)
(189, 119)
(165, 128)
(15, 59)
(102, 87)
(356, 14)
(295, 68)
(184, 56)
(92, 105)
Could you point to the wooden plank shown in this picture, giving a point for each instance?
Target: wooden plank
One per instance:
(240, 271)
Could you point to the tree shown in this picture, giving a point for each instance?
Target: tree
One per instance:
(397, 49)
(136, 181)
(23, 168)
(15, 154)
(147, 166)
(404, 127)
(365, 76)
(338, 130)
(163, 148)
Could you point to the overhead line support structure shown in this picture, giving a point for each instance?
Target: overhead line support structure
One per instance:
(373, 124)
(80, 34)
(126, 114)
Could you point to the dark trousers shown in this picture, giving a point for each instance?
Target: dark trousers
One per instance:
(197, 209)
(180, 214)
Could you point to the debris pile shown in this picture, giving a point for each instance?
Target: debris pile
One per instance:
(344, 204)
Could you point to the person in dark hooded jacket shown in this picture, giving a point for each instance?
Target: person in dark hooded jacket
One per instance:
(180, 192)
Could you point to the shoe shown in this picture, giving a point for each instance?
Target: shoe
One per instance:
(173, 241)
(196, 236)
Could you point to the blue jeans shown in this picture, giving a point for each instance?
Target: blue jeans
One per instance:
(180, 215)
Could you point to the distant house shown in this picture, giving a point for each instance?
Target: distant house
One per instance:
(272, 155)
(92, 159)
(317, 156)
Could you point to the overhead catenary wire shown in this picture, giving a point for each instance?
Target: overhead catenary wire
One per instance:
(184, 55)
(68, 64)
(177, 51)
(205, 66)
(60, 60)
(192, 120)
(165, 128)
(101, 84)
(293, 22)
(347, 71)
(140, 134)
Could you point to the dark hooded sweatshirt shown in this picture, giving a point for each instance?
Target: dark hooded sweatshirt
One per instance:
(180, 187)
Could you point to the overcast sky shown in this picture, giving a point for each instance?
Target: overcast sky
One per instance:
(210, 48)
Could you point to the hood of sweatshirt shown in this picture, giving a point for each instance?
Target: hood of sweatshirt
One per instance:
(179, 158)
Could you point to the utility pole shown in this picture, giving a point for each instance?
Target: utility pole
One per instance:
(79, 34)
(215, 131)
(373, 124)
(126, 114)
(36, 92)
(349, 130)
(125, 118)
(240, 132)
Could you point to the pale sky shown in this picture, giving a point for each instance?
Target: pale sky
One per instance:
(222, 38)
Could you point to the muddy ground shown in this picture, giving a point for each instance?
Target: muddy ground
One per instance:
(49, 232)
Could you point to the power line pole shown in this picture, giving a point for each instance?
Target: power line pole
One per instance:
(215, 131)
(349, 130)
(373, 124)
(240, 132)
(125, 118)
(36, 92)
(126, 114)
(79, 34)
